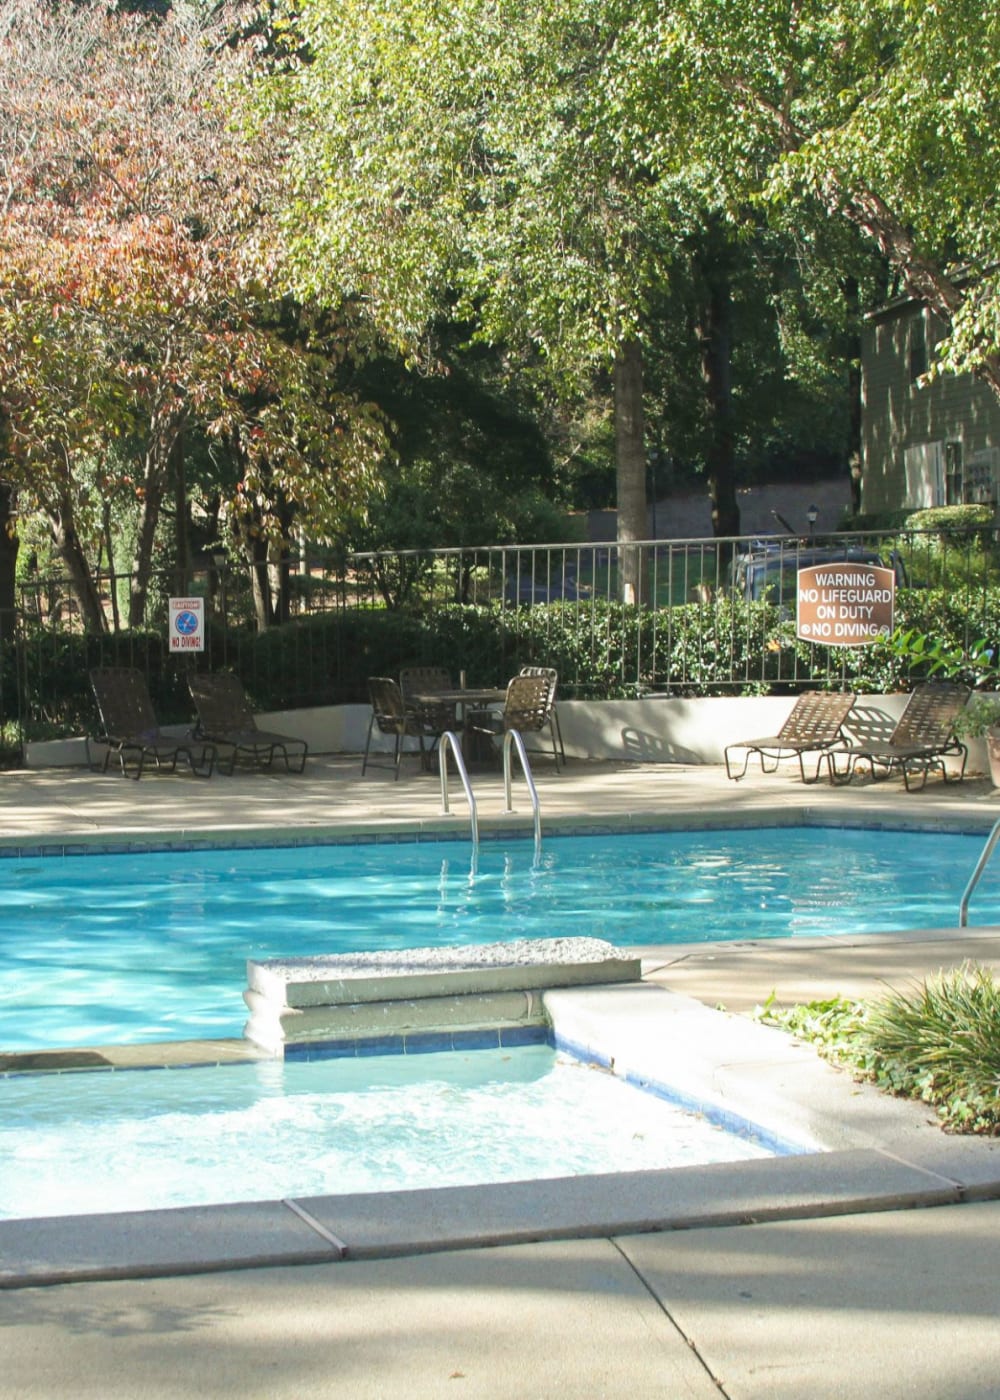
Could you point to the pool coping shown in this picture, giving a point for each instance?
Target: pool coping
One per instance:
(492, 827)
(184, 1240)
(330, 1229)
(921, 1168)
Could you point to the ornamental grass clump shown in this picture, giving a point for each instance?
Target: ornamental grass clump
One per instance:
(940, 1043)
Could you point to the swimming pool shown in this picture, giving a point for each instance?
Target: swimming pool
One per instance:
(99, 1141)
(126, 948)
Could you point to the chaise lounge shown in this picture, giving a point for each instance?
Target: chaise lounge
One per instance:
(815, 725)
(921, 741)
(129, 727)
(226, 720)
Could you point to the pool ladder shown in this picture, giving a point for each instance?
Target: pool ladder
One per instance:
(511, 741)
(974, 878)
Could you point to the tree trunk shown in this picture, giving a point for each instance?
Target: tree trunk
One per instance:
(281, 567)
(630, 461)
(852, 357)
(715, 341)
(155, 479)
(182, 540)
(256, 555)
(9, 545)
(70, 551)
(109, 548)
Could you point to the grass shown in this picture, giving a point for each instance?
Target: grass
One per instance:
(939, 1043)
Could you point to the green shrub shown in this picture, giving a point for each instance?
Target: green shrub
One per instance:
(601, 648)
(939, 1043)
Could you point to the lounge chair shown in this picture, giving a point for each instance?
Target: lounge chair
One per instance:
(814, 726)
(921, 741)
(391, 715)
(129, 727)
(226, 720)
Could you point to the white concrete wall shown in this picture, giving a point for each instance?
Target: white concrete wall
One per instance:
(663, 730)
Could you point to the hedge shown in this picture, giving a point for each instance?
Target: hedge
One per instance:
(601, 650)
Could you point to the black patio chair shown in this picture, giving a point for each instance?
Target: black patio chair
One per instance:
(226, 720)
(552, 675)
(392, 716)
(921, 741)
(527, 708)
(814, 725)
(130, 730)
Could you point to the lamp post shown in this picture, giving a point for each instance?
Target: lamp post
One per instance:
(811, 515)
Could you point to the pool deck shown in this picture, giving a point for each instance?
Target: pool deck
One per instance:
(802, 1276)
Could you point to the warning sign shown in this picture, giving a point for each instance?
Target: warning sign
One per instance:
(845, 605)
(187, 631)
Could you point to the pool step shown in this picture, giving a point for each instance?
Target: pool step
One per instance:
(361, 997)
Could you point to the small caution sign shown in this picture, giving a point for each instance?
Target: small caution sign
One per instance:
(187, 619)
(845, 605)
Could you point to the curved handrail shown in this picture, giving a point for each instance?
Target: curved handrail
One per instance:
(988, 849)
(512, 739)
(447, 741)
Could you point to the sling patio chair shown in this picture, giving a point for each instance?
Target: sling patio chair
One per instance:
(814, 726)
(391, 715)
(923, 738)
(554, 727)
(424, 681)
(527, 708)
(226, 720)
(130, 730)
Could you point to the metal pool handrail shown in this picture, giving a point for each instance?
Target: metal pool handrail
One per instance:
(981, 863)
(512, 739)
(447, 741)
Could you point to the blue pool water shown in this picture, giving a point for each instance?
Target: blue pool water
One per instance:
(113, 949)
(84, 1142)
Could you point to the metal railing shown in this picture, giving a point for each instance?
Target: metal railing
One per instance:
(450, 742)
(713, 616)
(975, 877)
(512, 740)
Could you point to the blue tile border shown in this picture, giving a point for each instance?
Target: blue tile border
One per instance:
(716, 1114)
(234, 840)
(419, 1043)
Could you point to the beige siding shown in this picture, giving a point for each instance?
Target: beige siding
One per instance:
(901, 413)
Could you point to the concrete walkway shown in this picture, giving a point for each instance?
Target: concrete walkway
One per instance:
(807, 1276)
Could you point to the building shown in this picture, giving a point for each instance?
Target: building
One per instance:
(923, 443)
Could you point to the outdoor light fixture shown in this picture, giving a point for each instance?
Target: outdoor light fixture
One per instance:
(811, 515)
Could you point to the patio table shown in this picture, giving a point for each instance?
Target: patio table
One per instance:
(466, 699)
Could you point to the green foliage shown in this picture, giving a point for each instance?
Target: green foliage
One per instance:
(602, 649)
(833, 1025)
(939, 1043)
(56, 665)
(959, 519)
(947, 658)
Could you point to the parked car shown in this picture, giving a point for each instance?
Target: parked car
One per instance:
(545, 588)
(770, 569)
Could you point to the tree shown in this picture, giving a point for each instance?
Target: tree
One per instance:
(469, 468)
(881, 113)
(476, 155)
(137, 261)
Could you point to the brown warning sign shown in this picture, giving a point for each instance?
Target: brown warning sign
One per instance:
(845, 605)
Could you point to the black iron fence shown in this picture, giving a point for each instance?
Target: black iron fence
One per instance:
(700, 616)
